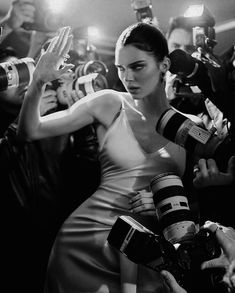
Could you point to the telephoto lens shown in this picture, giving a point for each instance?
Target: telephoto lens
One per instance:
(83, 86)
(16, 73)
(172, 208)
(90, 83)
(181, 130)
(92, 66)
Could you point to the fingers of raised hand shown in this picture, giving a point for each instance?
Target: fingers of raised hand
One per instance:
(61, 43)
(51, 46)
(64, 37)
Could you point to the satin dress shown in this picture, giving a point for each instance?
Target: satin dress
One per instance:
(81, 260)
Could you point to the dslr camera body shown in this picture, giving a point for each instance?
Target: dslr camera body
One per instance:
(203, 73)
(144, 247)
(142, 9)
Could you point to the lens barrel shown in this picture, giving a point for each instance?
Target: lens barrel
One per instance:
(16, 73)
(172, 209)
(181, 130)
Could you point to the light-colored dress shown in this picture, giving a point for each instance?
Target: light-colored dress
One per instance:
(81, 260)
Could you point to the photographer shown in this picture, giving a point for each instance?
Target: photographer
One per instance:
(181, 96)
(226, 238)
(20, 11)
(179, 35)
(10, 98)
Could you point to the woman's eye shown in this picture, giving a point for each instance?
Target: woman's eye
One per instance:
(137, 67)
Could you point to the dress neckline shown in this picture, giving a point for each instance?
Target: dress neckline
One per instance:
(133, 134)
(141, 148)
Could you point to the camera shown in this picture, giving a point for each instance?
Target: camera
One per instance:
(181, 130)
(183, 260)
(86, 84)
(202, 74)
(15, 73)
(172, 208)
(143, 9)
(86, 77)
(207, 74)
(45, 19)
(202, 22)
(92, 66)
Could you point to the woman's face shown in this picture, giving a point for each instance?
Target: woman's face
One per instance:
(138, 71)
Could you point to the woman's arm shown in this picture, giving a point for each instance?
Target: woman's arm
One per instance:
(99, 106)
(49, 67)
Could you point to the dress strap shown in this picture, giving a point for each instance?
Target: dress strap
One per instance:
(116, 116)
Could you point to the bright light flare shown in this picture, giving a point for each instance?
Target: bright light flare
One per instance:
(56, 6)
(93, 33)
(195, 10)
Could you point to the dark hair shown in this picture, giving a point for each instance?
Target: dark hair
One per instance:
(178, 22)
(146, 37)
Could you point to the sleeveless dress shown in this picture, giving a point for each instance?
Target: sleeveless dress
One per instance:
(81, 260)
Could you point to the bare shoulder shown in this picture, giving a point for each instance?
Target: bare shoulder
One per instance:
(104, 105)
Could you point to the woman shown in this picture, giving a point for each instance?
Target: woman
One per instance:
(130, 151)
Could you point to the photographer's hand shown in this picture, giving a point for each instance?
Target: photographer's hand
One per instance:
(208, 174)
(49, 102)
(169, 88)
(142, 203)
(19, 12)
(226, 238)
(171, 282)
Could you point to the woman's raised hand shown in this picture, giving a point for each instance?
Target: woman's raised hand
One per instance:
(50, 65)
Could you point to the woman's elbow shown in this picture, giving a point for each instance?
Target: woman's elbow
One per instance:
(25, 135)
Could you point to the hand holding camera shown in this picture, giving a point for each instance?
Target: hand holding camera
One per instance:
(225, 237)
(208, 174)
(142, 203)
(20, 11)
